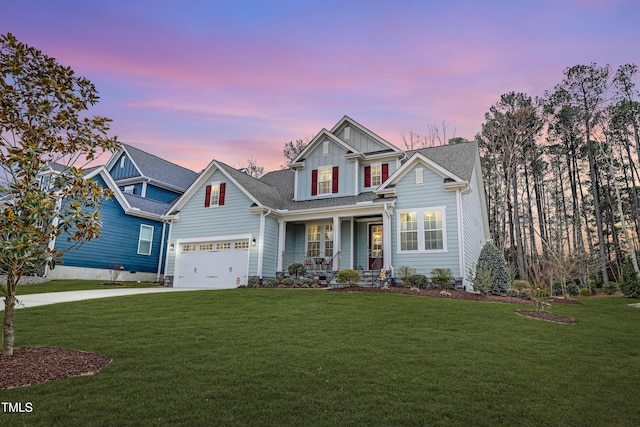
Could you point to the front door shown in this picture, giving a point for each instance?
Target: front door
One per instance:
(375, 247)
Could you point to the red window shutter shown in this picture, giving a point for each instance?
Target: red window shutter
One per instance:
(385, 172)
(367, 176)
(223, 189)
(334, 180)
(314, 182)
(207, 196)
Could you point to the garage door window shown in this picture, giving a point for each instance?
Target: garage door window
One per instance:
(145, 239)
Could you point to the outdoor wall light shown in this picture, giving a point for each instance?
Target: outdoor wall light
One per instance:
(253, 242)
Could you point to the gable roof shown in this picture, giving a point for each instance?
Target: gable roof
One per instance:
(348, 120)
(459, 159)
(131, 204)
(157, 169)
(324, 133)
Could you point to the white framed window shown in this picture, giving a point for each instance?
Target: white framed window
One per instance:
(145, 239)
(320, 240)
(214, 200)
(347, 132)
(130, 189)
(223, 246)
(376, 175)
(324, 180)
(422, 230)
(325, 147)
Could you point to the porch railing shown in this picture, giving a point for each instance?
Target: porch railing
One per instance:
(311, 263)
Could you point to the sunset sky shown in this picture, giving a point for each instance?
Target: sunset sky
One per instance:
(191, 81)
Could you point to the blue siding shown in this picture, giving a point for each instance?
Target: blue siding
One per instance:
(430, 194)
(118, 244)
(127, 171)
(160, 194)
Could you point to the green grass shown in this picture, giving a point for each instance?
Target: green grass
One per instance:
(311, 357)
(74, 285)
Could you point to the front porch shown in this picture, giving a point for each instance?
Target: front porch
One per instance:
(325, 246)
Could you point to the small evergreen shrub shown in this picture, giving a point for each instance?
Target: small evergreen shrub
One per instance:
(492, 259)
(610, 288)
(405, 271)
(306, 282)
(289, 281)
(348, 277)
(585, 292)
(419, 281)
(630, 285)
(270, 283)
(482, 278)
(442, 277)
(253, 282)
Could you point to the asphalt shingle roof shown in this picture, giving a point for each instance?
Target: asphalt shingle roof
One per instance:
(161, 170)
(147, 205)
(459, 159)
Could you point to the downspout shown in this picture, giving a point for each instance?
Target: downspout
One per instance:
(461, 251)
(162, 242)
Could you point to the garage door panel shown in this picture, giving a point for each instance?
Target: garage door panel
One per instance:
(212, 268)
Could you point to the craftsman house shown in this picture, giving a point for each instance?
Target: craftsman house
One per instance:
(350, 200)
(134, 226)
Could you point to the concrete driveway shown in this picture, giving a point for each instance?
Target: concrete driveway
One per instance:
(33, 300)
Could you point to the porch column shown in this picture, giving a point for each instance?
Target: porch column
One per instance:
(336, 243)
(386, 238)
(282, 235)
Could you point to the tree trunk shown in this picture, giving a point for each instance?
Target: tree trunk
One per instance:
(7, 330)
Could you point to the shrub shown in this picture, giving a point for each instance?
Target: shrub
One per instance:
(630, 285)
(253, 282)
(572, 289)
(442, 277)
(405, 271)
(492, 259)
(482, 278)
(270, 283)
(419, 281)
(610, 288)
(297, 269)
(289, 281)
(348, 277)
(305, 281)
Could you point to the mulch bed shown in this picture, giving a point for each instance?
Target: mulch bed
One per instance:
(462, 295)
(545, 315)
(30, 366)
(435, 293)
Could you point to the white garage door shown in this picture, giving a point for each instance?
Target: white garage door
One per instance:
(212, 265)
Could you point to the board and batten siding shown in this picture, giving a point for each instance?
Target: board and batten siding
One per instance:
(430, 194)
(233, 218)
(122, 170)
(118, 244)
(362, 142)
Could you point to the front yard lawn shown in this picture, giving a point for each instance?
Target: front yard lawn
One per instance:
(312, 357)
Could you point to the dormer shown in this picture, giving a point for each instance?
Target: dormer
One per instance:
(345, 161)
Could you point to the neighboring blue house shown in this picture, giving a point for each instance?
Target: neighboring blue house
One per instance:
(134, 227)
(349, 200)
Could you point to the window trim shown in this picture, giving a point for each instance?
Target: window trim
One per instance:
(141, 240)
(328, 170)
(322, 243)
(421, 230)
